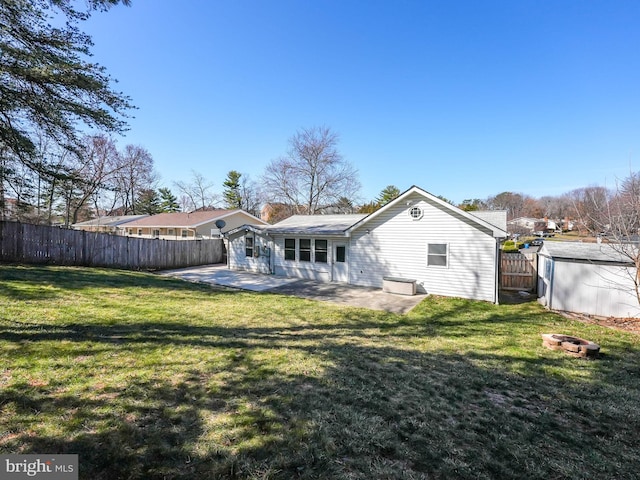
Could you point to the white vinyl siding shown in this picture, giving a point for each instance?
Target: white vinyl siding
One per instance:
(240, 257)
(588, 288)
(396, 246)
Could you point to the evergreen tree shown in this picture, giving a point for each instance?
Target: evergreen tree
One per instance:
(388, 193)
(148, 202)
(168, 201)
(46, 83)
(368, 207)
(232, 193)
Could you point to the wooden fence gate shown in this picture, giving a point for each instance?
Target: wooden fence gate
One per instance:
(519, 271)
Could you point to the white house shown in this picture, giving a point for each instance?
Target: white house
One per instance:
(417, 236)
(587, 278)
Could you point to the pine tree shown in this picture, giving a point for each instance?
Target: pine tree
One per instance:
(148, 202)
(232, 190)
(46, 83)
(168, 201)
(388, 193)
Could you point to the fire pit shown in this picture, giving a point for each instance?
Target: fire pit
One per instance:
(578, 347)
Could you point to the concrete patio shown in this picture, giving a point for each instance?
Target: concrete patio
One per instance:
(373, 298)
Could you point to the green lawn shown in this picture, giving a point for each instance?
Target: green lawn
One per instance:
(153, 378)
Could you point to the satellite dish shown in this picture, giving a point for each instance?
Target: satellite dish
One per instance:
(220, 224)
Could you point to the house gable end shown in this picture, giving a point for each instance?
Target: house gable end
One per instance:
(406, 199)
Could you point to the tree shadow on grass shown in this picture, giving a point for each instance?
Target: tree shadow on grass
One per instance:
(320, 401)
(37, 282)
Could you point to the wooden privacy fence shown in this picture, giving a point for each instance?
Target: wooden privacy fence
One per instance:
(25, 243)
(519, 271)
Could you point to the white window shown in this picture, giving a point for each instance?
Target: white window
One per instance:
(304, 250)
(290, 249)
(185, 233)
(437, 255)
(320, 254)
(156, 234)
(415, 213)
(248, 246)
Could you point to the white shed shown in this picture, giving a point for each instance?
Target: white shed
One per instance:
(593, 279)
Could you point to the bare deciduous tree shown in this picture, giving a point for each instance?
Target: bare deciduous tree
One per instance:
(198, 193)
(134, 174)
(616, 216)
(313, 175)
(590, 207)
(512, 202)
(93, 172)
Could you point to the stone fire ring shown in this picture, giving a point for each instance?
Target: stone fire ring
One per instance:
(578, 347)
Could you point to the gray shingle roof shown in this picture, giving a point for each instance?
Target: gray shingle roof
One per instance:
(315, 224)
(497, 218)
(593, 252)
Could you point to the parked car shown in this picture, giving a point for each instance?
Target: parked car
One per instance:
(538, 242)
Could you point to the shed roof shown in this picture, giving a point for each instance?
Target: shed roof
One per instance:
(591, 252)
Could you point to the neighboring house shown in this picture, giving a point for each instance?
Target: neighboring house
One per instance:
(536, 226)
(275, 212)
(191, 225)
(417, 236)
(545, 225)
(587, 278)
(107, 224)
(522, 225)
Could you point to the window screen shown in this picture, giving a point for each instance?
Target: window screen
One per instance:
(437, 255)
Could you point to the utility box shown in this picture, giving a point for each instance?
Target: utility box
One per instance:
(398, 285)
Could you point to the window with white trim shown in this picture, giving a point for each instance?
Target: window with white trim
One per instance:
(304, 249)
(248, 246)
(290, 249)
(437, 255)
(415, 213)
(320, 253)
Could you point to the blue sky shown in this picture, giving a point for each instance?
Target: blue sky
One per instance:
(465, 99)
